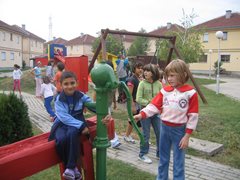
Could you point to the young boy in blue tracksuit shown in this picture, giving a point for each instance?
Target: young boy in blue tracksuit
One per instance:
(69, 124)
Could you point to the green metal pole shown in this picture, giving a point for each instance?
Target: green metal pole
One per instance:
(105, 80)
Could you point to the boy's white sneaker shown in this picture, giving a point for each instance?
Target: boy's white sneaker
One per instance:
(129, 139)
(145, 159)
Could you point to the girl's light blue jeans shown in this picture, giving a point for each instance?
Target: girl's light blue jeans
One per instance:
(146, 125)
(171, 137)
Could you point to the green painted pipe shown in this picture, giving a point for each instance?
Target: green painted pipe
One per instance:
(129, 109)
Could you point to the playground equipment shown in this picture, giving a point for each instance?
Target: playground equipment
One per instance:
(173, 48)
(105, 81)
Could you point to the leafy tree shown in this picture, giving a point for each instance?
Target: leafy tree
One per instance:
(113, 45)
(15, 123)
(188, 41)
(139, 45)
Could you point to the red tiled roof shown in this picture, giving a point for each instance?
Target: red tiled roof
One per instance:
(85, 39)
(222, 22)
(57, 41)
(124, 38)
(7, 27)
(163, 30)
(28, 34)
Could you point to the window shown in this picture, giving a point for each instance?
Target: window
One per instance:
(225, 58)
(225, 34)
(11, 37)
(203, 58)
(4, 36)
(11, 56)
(3, 56)
(35, 43)
(17, 39)
(205, 37)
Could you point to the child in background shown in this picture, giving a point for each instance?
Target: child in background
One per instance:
(122, 76)
(147, 90)
(48, 90)
(37, 72)
(132, 84)
(17, 73)
(70, 123)
(49, 70)
(178, 104)
(60, 68)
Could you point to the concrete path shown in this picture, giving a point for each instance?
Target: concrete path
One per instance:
(196, 168)
(230, 87)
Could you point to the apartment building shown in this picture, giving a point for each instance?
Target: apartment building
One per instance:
(18, 45)
(32, 45)
(10, 46)
(81, 45)
(228, 46)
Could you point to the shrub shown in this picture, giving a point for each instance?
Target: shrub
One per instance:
(221, 70)
(15, 124)
(23, 64)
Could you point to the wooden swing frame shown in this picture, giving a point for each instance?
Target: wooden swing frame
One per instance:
(173, 48)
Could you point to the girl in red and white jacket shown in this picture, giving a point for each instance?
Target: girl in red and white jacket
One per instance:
(178, 106)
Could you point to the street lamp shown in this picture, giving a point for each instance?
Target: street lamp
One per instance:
(219, 35)
(210, 61)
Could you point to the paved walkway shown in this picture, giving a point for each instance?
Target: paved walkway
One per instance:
(230, 87)
(196, 168)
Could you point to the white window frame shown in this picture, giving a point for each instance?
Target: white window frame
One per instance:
(3, 56)
(12, 56)
(4, 36)
(225, 36)
(205, 58)
(226, 55)
(18, 39)
(205, 37)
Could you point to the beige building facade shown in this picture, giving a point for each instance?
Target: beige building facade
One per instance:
(81, 45)
(18, 45)
(10, 46)
(228, 47)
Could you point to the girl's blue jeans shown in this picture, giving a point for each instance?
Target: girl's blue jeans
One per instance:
(146, 125)
(171, 137)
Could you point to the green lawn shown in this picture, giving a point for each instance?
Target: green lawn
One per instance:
(218, 121)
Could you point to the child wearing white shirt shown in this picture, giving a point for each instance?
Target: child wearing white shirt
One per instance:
(17, 73)
(48, 90)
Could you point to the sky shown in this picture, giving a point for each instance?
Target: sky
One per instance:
(70, 18)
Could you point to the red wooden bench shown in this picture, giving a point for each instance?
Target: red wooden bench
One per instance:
(27, 157)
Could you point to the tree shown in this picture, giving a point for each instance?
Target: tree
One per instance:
(139, 45)
(188, 40)
(113, 45)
